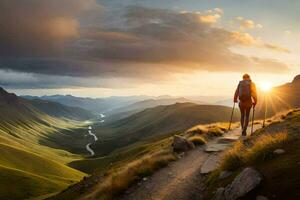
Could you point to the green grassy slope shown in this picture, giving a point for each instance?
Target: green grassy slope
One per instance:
(28, 168)
(16, 184)
(156, 122)
(37, 169)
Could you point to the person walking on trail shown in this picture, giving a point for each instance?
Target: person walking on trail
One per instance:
(247, 96)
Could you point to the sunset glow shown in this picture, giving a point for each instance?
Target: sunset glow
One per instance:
(265, 86)
(100, 48)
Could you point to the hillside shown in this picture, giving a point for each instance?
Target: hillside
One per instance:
(280, 98)
(26, 158)
(62, 111)
(139, 106)
(286, 96)
(279, 171)
(156, 122)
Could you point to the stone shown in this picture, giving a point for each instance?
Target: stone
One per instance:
(210, 164)
(279, 151)
(217, 147)
(145, 179)
(181, 155)
(245, 182)
(260, 197)
(219, 194)
(225, 174)
(171, 175)
(180, 144)
(226, 140)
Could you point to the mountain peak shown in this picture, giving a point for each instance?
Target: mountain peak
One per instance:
(296, 79)
(6, 97)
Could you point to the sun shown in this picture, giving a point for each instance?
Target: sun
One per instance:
(265, 86)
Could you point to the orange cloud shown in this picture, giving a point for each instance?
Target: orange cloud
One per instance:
(210, 19)
(246, 39)
(246, 23)
(63, 28)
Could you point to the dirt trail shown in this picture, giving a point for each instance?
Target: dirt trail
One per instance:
(182, 180)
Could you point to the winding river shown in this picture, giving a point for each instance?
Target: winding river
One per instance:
(88, 146)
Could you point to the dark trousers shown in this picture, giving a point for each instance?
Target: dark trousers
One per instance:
(245, 108)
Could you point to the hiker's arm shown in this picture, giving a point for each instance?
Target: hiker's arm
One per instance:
(254, 93)
(236, 95)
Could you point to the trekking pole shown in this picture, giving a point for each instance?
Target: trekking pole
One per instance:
(231, 117)
(252, 120)
(265, 114)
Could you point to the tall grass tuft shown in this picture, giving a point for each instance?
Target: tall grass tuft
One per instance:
(197, 140)
(249, 152)
(264, 146)
(257, 150)
(233, 158)
(119, 180)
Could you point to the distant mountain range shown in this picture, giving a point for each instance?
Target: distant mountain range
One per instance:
(96, 105)
(114, 107)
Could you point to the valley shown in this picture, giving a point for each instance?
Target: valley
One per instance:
(54, 145)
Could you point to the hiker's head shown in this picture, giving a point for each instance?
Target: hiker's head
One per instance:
(246, 77)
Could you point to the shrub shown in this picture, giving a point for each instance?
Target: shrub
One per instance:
(215, 131)
(197, 140)
(198, 130)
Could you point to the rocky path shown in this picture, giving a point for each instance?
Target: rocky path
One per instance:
(182, 180)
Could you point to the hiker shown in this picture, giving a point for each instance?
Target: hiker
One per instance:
(247, 95)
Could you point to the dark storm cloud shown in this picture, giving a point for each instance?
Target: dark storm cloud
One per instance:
(182, 40)
(20, 80)
(53, 38)
(40, 27)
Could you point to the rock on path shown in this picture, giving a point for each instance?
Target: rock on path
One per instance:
(245, 182)
(210, 164)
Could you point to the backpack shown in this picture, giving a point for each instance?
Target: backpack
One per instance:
(245, 90)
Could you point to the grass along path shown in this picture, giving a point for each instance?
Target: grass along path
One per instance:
(181, 180)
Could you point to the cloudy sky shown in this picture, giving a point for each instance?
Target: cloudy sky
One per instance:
(154, 47)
